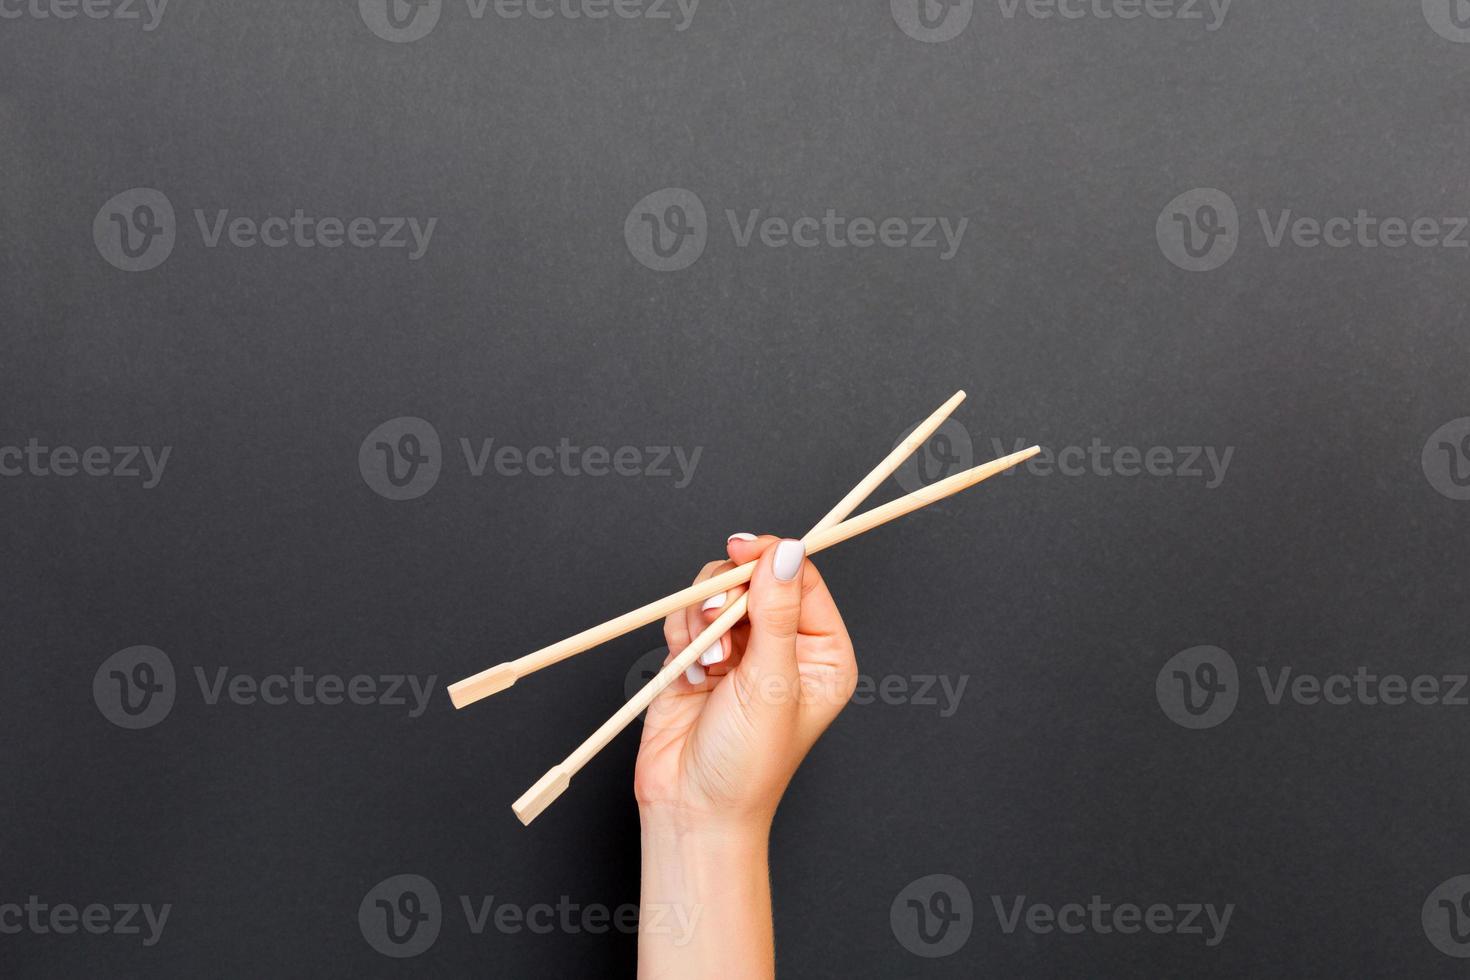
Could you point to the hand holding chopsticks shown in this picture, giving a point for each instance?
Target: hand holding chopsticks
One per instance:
(827, 533)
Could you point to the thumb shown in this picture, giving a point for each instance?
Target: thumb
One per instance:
(769, 666)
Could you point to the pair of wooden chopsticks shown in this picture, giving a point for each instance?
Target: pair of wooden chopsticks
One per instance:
(830, 530)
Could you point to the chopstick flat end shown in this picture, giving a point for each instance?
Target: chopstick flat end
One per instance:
(540, 796)
(482, 685)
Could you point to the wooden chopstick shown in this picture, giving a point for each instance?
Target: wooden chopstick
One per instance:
(496, 679)
(551, 785)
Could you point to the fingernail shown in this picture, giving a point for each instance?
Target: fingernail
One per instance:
(788, 560)
(740, 536)
(714, 654)
(695, 674)
(714, 602)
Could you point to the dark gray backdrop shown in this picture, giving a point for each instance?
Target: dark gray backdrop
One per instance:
(1335, 377)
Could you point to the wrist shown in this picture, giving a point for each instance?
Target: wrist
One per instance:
(663, 823)
(705, 903)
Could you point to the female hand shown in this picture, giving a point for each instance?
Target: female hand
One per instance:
(720, 744)
(719, 747)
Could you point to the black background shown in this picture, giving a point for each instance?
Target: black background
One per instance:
(528, 320)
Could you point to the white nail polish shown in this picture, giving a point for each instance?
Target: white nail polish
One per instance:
(714, 654)
(740, 536)
(714, 602)
(695, 674)
(788, 560)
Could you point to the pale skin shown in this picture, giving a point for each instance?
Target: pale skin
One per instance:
(719, 748)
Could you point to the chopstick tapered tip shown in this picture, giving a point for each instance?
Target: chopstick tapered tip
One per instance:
(482, 685)
(1016, 459)
(1004, 463)
(540, 796)
(985, 471)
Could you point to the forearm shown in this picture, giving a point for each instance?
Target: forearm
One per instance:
(705, 907)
